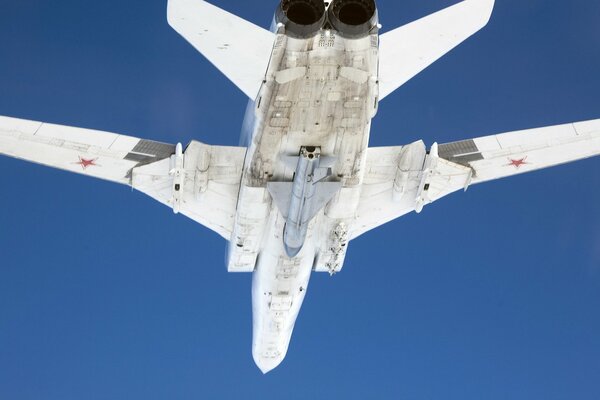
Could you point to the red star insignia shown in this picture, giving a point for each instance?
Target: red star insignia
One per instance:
(84, 162)
(517, 163)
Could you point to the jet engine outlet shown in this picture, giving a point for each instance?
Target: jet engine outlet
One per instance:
(302, 18)
(353, 19)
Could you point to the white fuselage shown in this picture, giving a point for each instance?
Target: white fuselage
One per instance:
(319, 92)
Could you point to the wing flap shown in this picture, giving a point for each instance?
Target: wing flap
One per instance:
(379, 202)
(211, 184)
(512, 153)
(211, 174)
(391, 189)
(90, 152)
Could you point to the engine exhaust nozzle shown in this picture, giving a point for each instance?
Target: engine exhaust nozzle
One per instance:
(353, 19)
(302, 18)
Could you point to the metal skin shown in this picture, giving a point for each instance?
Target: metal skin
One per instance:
(319, 92)
(301, 201)
(306, 183)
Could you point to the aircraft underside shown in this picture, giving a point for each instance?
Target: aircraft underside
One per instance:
(309, 145)
(307, 184)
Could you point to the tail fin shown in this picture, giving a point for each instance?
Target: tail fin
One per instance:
(238, 48)
(408, 50)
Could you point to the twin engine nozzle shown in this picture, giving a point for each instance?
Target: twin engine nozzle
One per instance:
(352, 19)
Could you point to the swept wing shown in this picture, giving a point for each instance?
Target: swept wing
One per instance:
(208, 177)
(402, 179)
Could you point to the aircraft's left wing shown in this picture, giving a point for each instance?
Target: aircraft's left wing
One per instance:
(402, 179)
(201, 183)
(90, 152)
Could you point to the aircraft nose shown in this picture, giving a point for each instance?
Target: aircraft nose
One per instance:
(267, 364)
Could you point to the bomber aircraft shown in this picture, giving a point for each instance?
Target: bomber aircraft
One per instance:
(307, 183)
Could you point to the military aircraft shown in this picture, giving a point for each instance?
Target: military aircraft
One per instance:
(307, 183)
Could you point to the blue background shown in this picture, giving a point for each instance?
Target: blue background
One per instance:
(105, 294)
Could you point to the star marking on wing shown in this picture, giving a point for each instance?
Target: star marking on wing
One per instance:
(518, 163)
(85, 162)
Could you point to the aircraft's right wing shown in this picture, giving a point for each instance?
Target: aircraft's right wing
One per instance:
(406, 51)
(512, 153)
(238, 48)
(401, 179)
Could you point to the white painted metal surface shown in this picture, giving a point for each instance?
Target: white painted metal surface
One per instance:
(461, 164)
(314, 96)
(235, 46)
(209, 182)
(408, 50)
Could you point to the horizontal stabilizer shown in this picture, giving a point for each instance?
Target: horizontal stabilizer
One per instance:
(408, 50)
(238, 48)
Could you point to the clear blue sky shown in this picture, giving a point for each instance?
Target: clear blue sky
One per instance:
(489, 294)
